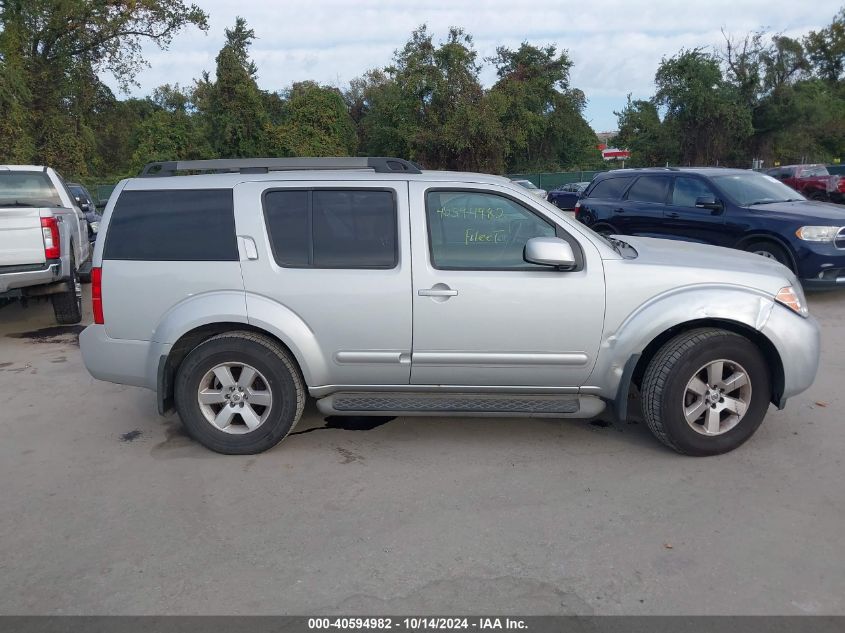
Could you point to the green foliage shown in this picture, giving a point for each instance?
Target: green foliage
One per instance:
(703, 110)
(641, 131)
(774, 98)
(314, 121)
(51, 51)
(232, 105)
(539, 113)
(429, 106)
(762, 96)
(826, 49)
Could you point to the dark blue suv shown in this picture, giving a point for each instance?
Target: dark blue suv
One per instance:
(736, 208)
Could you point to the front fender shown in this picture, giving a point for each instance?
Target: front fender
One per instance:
(721, 302)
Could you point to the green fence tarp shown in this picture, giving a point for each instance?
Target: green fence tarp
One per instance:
(550, 180)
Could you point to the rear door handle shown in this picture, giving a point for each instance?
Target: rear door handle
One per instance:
(619, 210)
(437, 292)
(673, 215)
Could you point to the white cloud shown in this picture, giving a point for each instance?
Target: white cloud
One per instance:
(615, 44)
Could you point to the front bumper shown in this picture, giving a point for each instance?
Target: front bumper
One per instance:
(798, 343)
(820, 265)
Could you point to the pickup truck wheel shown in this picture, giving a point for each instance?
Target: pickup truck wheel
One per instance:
(67, 305)
(818, 196)
(770, 250)
(706, 391)
(239, 393)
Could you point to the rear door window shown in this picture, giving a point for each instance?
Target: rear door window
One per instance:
(173, 225)
(610, 188)
(332, 228)
(649, 189)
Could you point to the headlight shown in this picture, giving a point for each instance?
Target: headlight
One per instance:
(95, 226)
(818, 233)
(793, 299)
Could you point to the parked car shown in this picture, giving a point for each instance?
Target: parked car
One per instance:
(44, 247)
(734, 208)
(812, 181)
(88, 206)
(565, 196)
(540, 193)
(380, 289)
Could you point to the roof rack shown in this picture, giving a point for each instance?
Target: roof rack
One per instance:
(379, 164)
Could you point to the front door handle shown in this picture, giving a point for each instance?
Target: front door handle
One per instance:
(619, 210)
(673, 215)
(437, 292)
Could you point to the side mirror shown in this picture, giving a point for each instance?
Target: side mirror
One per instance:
(708, 202)
(549, 251)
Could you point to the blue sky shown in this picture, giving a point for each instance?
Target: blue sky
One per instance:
(616, 45)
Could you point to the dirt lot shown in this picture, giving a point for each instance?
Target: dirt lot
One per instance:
(108, 508)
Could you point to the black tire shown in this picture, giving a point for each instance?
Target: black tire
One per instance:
(819, 196)
(283, 381)
(665, 382)
(768, 249)
(67, 305)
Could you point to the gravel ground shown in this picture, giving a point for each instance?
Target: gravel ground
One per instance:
(108, 508)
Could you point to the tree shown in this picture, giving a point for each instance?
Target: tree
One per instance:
(171, 131)
(314, 122)
(539, 113)
(826, 49)
(641, 131)
(429, 106)
(233, 107)
(52, 51)
(710, 120)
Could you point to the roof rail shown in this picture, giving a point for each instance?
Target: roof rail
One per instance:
(379, 164)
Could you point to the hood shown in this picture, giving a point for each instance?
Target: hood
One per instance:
(806, 211)
(702, 262)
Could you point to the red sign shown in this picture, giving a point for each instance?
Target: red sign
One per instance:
(612, 153)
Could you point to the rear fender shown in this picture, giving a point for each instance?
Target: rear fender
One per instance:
(291, 329)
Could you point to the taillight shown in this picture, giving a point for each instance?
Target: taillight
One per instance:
(577, 208)
(50, 231)
(97, 295)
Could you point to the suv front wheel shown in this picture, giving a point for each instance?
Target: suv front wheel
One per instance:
(706, 391)
(239, 393)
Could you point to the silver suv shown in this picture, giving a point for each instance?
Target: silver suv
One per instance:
(242, 288)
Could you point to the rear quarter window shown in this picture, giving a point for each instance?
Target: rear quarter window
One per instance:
(609, 188)
(173, 225)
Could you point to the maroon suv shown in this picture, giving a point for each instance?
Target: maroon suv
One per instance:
(813, 181)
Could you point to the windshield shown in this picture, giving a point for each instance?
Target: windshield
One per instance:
(815, 170)
(27, 189)
(753, 188)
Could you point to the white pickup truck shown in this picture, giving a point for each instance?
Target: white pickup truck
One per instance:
(44, 247)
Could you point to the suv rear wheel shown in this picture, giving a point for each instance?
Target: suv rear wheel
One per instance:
(706, 391)
(239, 393)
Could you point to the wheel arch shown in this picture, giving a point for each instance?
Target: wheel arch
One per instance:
(169, 364)
(762, 236)
(773, 360)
